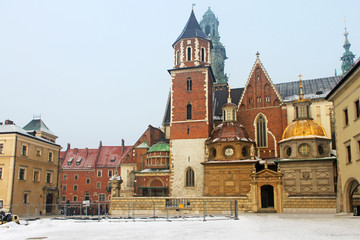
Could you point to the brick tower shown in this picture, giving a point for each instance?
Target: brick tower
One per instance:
(191, 109)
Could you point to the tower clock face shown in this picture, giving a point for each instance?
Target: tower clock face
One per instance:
(229, 152)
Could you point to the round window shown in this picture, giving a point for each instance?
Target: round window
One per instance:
(229, 152)
(321, 149)
(245, 151)
(214, 152)
(288, 151)
(304, 149)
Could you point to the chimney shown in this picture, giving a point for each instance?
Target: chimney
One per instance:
(68, 146)
(76, 150)
(9, 122)
(87, 152)
(122, 146)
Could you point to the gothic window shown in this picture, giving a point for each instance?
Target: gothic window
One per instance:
(190, 178)
(188, 84)
(202, 54)
(189, 112)
(189, 53)
(261, 131)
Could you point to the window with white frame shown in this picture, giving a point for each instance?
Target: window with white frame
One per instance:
(75, 198)
(36, 175)
(88, 181)
(24, 150)
(99, 173)
(261, 131)
(49, 177)
(38, 152)
(98, 185)
(75, 187)
(22, 173)
(110, 173)
(102, 197)
(65, 176)
(64, 187)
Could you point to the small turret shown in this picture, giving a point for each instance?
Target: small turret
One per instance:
(348, 57)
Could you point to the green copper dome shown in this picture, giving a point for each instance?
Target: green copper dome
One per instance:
(160, 147)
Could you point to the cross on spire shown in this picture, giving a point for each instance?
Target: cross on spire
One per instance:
(301, 94)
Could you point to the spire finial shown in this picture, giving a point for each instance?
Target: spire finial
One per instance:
(257, 54)
(301, 95)
(193, 5)
(229, 97)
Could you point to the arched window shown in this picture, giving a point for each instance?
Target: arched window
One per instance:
(189, 53)
(207, 30)
(189, 111)
(132, 179)
(188, 84)
(177, 57)
(190, 178)
(202, 54)
(261, 131)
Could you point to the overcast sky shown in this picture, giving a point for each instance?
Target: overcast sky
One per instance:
(97, 70)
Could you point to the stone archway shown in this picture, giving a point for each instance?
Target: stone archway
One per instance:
(352, 195)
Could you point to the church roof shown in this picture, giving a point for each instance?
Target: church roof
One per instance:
(303, 129)
(229, 131)
(192, 29)
(159, 147)
(289, 91)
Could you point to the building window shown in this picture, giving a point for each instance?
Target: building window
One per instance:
(1, 172)
(189, 53)
(321, 149)
(76, 177)
(24, 150)
(203, 54)
(188, 84)
(245, 151)
(110, 173)
(188, 111)
(102, 197)
(75, 198)
(87, 196)
(64, 187)
(98, 185)
(70, 161)
(63, 198)
(65, 176)
(99, 173)
(75, 187)
(261, 132)
(1, 148)
(357, 109)
(36, 177)
(304, 149)
(177, 57)
(348, 153)
(88, 181)
(38, 152)
(26, 197)
(288, 151)
(48, 177)
(132, 179)
(22, 174)
(346, 117)
(1, 204)
(190, 178)
(50, 157)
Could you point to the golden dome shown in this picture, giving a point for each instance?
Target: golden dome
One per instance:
(305, 128)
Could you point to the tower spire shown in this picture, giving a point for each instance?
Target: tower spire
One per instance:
(348, 57)
(301, 93)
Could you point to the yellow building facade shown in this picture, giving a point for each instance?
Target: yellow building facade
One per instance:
(29, 165)
(346, 96)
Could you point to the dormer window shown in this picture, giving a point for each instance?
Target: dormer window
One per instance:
(112, 158)
(70, 161)
(78, 161)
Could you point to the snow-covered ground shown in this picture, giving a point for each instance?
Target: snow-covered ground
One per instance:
(249, 226)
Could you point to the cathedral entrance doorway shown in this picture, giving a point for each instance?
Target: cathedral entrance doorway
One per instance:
(267, 196)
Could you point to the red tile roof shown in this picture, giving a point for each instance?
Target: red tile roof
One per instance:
(80, 158)
(110, 156)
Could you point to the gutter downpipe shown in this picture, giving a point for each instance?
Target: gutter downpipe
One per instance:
(13, 180)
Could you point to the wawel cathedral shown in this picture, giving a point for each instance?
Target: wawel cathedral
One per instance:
(270, 146)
